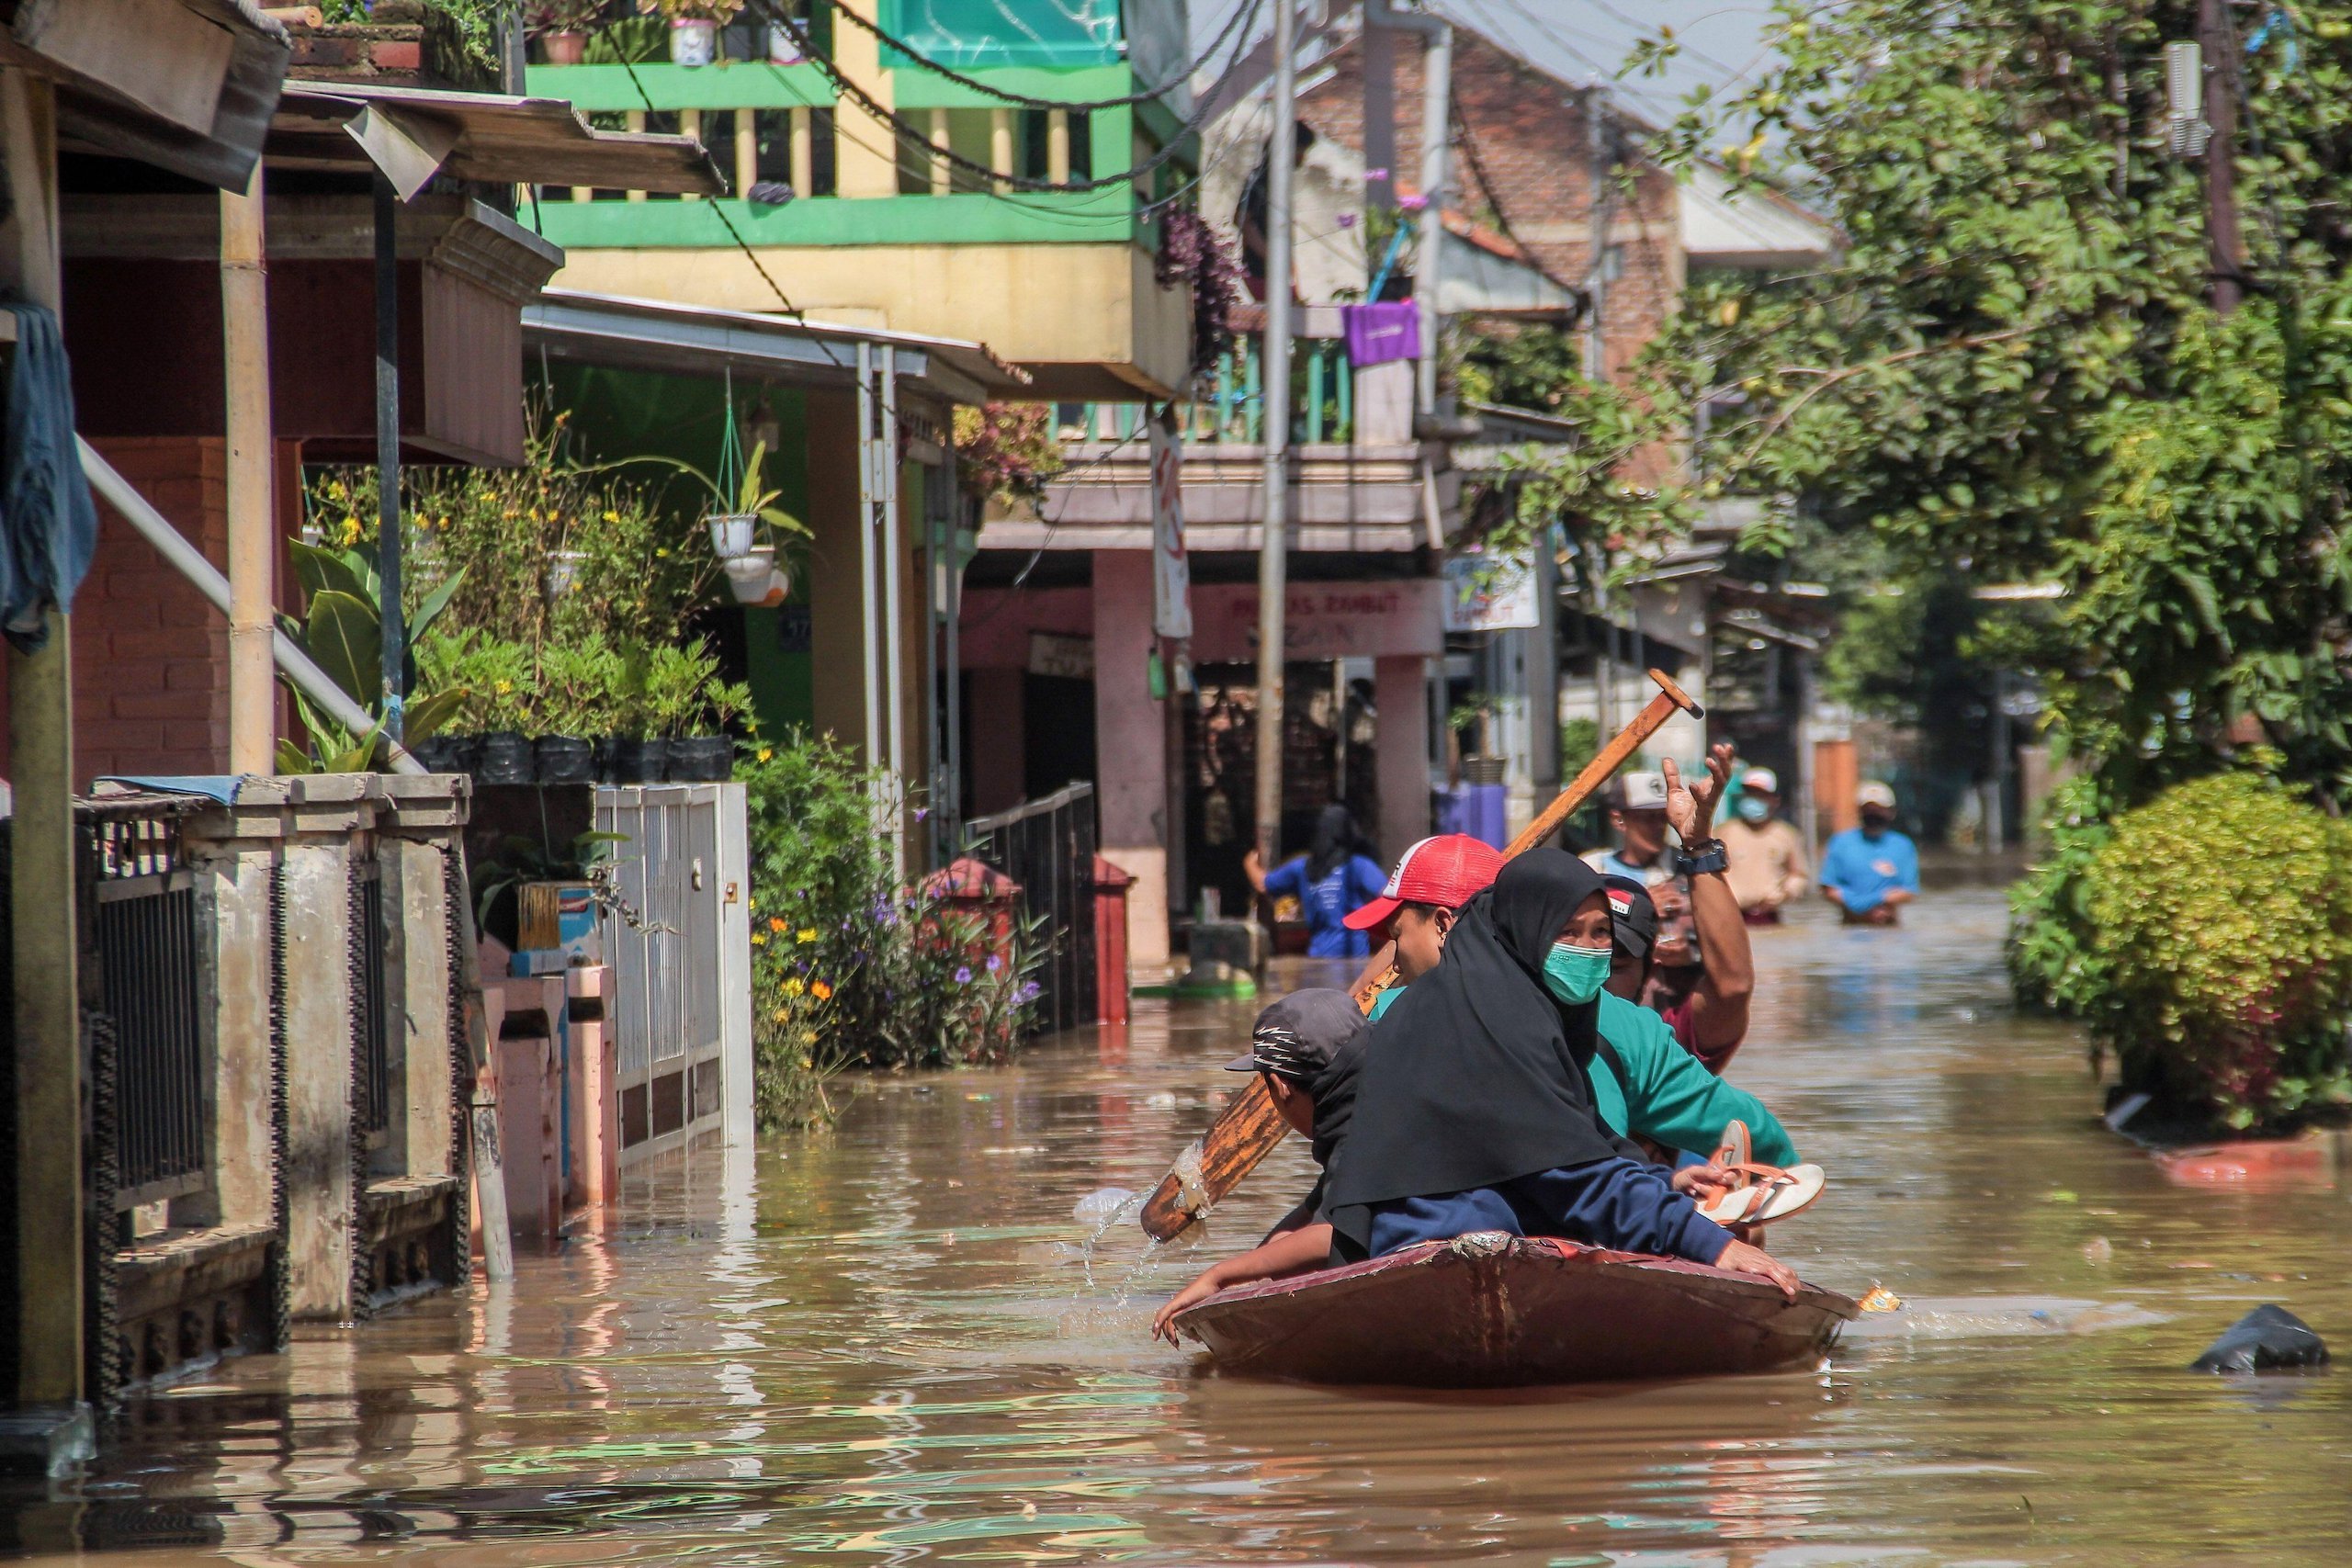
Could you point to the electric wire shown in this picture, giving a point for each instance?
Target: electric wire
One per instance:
(1244, 16)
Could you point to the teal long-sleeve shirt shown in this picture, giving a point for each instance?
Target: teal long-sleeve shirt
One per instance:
(1668, 1096)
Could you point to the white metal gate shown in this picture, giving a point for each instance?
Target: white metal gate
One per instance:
(682, 970)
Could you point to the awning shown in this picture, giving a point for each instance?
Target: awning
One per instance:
(185, 85)
(653, 334)
(414, 133)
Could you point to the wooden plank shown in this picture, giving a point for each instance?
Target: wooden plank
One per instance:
(157, 53)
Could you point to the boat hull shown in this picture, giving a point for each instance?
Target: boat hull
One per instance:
(1496, 1310)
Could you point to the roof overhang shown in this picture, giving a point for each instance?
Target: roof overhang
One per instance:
(185, 85)
(414, 133)
(696, 340)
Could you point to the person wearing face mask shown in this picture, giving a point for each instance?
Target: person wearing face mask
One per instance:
(1871, 871)
(1766, 863)
(1475, 1106)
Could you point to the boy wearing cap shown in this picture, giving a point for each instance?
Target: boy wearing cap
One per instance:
(1767, 859)
(1637, 815)
(1871, 871)
(1430, 883)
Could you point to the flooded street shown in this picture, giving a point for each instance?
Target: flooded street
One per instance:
(891, 1344)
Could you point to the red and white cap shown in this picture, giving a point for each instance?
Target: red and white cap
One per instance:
(1448, 870)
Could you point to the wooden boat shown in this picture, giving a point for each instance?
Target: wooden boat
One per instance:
(1491, 1310)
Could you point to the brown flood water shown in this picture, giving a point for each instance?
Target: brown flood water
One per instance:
(891, 1345)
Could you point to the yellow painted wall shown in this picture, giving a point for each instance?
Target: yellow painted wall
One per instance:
(1040, 306)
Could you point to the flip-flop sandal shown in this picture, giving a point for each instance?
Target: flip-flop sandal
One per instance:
(1733, 1152)
(1766, 1193)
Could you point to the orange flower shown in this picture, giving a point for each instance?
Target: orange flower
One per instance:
(819, 990)
(776, 923)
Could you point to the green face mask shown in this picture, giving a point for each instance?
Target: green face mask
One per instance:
(1576, 975)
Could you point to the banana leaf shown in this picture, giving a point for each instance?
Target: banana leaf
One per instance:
(345, 639)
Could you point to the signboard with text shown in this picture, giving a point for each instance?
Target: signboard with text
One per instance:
(1491, 593)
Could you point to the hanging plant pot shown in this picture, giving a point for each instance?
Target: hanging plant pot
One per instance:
(749, 574)
(564, 49)
(693, 41)
(783, 48)
(564, 572)
(564, 759)
(732, 534)
(702, 759)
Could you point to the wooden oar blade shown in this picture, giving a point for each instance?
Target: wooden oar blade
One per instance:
(1244, 1132)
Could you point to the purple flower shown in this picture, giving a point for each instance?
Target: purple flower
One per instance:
(964, 975)
(995, 963)
(1029, 992)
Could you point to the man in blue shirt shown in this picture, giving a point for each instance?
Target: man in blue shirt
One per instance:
(1331, 881)
(1871, 871)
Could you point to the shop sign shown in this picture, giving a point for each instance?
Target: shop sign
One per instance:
(1069, 658)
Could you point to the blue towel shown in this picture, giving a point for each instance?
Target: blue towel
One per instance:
(221, 787)
(49, 525)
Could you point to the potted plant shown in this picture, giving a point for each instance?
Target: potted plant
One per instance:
(694, 27)
(682, 694)
(784, 44)
(563, 27)
(734, 521)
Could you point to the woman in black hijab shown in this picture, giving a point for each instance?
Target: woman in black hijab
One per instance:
(1474, 1110)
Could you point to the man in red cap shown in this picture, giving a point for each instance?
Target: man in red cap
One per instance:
(1430, 883)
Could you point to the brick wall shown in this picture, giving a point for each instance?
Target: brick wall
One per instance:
(1521, 163)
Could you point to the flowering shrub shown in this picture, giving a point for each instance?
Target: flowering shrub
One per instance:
(1006, 451)
(1191, 253)
(2221, 913)
(850, 968)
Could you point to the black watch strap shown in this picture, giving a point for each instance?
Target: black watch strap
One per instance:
(1709, 856)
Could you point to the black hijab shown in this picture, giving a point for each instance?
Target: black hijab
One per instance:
(1335, 840)
(1478, 1075)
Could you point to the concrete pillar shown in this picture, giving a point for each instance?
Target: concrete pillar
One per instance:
(865, 160)
(1400, 692)
(233, 853)
(419, 825)
(325, 815)
(836, 589)
(1131, 749)
(997, 761)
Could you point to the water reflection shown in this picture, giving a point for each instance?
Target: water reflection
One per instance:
(893, 1345)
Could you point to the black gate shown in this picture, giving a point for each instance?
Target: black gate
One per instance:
(147, 958)
(1047, 846)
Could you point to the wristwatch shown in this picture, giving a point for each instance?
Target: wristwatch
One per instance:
(1704, 856)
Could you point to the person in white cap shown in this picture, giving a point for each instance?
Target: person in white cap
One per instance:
(1637, 814)
(1871, 871)
(1767, 862)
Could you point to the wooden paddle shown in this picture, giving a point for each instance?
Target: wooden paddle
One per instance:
(1249, 1126)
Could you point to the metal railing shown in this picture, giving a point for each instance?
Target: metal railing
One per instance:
(1230, 403)
(371, 1086)
(1047, 846)
(148, 957)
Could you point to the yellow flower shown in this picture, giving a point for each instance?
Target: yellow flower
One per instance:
(758, 940)
(793, 987)
(819, 990)
(782, 1014)
(808, 1037)
(612, 517)
(504, 687)
(806, 935)
(661, 555)
(765, 753)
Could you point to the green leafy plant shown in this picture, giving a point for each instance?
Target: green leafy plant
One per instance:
(750, 497)
(342, 631)
(1006, 452)
(2222, 910)
(849, 967)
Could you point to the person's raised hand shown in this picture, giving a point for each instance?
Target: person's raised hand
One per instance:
(1742, 1259)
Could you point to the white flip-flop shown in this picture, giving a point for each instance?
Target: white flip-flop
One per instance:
(1768, 1194)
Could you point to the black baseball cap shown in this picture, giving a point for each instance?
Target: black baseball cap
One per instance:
(1633, 916)
(1296, 1037)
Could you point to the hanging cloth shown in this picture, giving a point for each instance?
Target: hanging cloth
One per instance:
(1476, 1075)
(49, 525)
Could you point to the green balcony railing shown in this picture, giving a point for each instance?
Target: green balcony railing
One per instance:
(1230, 405)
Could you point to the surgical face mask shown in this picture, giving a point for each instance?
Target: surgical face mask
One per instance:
(1575, 975)
(1753, 810)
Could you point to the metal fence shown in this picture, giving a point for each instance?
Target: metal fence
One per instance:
(372, 1079)
(1047, 846)
(148, 948)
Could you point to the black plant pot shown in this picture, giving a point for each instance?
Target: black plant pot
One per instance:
(507, 759)
(702, 759)
(626, 760)
(565, 760)
(434, 754)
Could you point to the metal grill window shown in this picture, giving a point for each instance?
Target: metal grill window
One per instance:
(148, 954)
(374, 1085)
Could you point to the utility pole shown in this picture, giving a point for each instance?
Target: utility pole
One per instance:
(253, 516)
(1596, 128)
(1273, 568)
(1437, 92)
(2224, 244)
